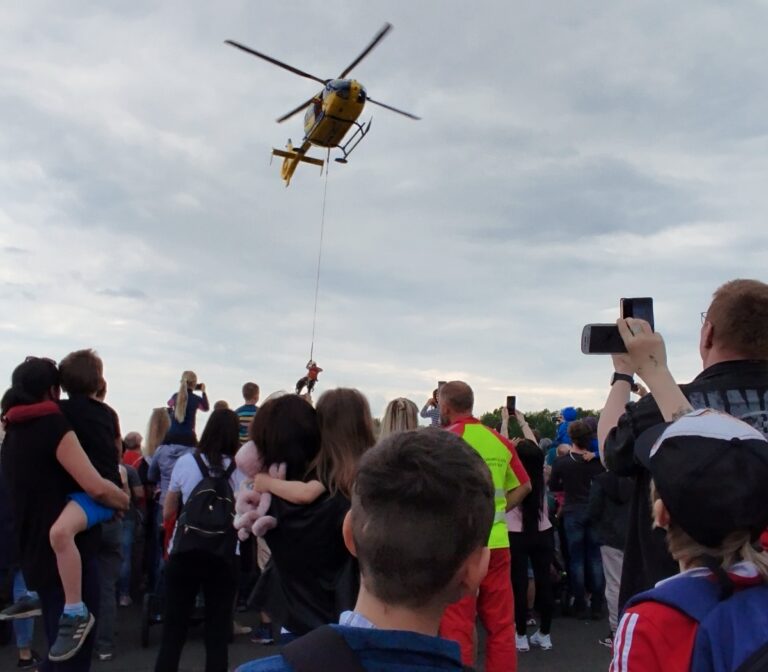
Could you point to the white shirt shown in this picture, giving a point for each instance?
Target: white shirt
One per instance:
(186, 475)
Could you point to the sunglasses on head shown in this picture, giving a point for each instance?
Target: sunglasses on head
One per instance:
(32, 358)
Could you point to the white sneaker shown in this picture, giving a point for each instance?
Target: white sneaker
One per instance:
(521, 643)
(542, 641)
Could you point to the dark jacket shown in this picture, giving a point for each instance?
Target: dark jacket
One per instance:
(739, 388)
(609, 508)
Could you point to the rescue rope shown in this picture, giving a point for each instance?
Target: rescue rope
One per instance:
(320, 255)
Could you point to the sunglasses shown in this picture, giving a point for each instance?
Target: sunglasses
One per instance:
(32, 358)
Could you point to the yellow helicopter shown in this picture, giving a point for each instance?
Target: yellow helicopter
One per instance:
(330, 113)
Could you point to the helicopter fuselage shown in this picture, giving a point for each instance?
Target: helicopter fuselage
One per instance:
(333, 111)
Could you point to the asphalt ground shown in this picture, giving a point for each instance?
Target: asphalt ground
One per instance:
(575, 647)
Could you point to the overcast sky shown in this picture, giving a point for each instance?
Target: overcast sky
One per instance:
(569, 154)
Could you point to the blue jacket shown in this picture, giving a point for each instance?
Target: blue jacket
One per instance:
(383, 651)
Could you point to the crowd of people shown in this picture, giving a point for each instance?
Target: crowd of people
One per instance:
(372, 549)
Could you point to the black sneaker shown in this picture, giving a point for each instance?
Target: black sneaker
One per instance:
(72, 633)
(28, 663)
(25, 607)
(263, 634)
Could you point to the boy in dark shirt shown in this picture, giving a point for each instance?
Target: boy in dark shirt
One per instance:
(93, 422)
(422, 510)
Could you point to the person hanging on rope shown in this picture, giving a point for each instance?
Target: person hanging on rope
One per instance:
(313, 371)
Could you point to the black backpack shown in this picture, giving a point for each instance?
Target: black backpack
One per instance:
(206, 521)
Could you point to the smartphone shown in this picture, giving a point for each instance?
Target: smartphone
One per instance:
(440, 383)
(511, 401)
(601, 339)
(640, 308)
(199, 386)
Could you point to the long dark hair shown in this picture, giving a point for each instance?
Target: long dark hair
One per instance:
(532, 459)
(221, 437)
(30, 382)
(286, 430)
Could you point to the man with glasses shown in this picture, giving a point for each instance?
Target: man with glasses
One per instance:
(733, 346)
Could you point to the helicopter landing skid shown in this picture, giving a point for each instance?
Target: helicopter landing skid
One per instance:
(354, 140)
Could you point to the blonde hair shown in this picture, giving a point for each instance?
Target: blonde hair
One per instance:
(188, 382)
(159, 424)
(736, 547)
(400, 415)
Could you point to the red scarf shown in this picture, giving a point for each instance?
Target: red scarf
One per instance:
(27, 412)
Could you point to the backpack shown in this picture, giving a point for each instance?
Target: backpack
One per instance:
(206, 521)
(732, 635)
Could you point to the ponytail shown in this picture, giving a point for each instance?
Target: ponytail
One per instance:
(188, 379)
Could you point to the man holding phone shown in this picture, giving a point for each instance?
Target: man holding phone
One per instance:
(734, 351)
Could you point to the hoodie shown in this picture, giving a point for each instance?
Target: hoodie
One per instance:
(162, 464)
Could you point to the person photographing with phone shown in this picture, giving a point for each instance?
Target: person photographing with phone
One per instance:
(733, 345)
(708, 472)
(184, 406)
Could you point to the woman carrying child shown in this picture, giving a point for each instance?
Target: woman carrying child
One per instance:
(44, 465)
(322, 450)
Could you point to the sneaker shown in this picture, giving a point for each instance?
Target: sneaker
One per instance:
(25, 607)
(263, 634)
(28, 663)
(238, 629)
(521, 643)
(106, 655)
(125, 601)
(72, 633)
(606, 641)
(544, 642)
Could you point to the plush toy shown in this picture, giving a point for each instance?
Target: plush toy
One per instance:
(251, 506)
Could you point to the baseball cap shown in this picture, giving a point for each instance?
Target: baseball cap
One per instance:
(711, 471)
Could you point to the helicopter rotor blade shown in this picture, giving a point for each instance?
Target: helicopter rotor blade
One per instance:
(393, 109)
(377, 38)
(274, 61)
(296, 110)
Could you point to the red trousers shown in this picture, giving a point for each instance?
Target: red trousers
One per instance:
(495, 606)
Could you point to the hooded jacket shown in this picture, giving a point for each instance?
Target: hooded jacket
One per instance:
(162, 465)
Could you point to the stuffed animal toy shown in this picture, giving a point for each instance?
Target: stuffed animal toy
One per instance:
(251, 506)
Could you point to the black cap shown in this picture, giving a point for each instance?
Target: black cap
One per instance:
(711, 471)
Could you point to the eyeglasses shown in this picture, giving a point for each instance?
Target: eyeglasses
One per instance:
(32, 358)
(703, 317)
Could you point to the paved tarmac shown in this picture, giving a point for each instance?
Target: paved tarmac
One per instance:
(575, 648)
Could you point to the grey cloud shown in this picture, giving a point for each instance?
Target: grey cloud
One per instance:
(123, 293)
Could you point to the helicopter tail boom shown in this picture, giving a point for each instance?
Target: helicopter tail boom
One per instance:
(291, 158)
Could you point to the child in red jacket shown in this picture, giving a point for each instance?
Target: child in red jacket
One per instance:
(709, 473)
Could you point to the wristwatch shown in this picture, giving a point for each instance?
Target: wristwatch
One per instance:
(622, 376)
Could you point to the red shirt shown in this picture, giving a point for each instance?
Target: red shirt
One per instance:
(653, 637)
(131, 457)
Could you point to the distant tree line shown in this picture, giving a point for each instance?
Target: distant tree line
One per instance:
(544, 422)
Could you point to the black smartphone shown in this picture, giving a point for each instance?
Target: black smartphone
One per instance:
(199, 386)
(511, 401)
(601, 339)
(640, 308)
(440, 383)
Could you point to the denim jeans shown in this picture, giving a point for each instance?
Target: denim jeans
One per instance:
(124, 582)
(584, 555)
(109, 571)
(22, 627)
